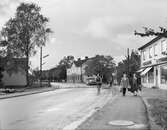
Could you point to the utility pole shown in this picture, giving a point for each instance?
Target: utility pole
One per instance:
(41, 67)
(128, 61)
(41, 64)
(81, 74)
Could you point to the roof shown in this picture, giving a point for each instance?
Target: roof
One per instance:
(149, 43)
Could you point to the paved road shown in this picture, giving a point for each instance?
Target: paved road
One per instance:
(49, 110)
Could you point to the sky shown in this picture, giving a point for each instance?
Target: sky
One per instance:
(89, 27)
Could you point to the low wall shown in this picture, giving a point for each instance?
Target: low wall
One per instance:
(15, 79)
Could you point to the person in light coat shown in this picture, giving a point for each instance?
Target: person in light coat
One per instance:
(124, 84)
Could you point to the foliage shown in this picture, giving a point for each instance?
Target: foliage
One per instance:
(26, 31)
(36, 73)
(61, 73)
(151, 32)
(134, 65)
(67, 61)
(60, 70)
(1, 76)
(104, 65)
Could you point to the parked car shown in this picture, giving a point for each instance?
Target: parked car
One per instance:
(91, 81)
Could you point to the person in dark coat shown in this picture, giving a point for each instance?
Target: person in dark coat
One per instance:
(134, 85)
(99, 83)
(111, 81)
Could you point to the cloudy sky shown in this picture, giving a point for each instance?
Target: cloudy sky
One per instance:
(89, 27)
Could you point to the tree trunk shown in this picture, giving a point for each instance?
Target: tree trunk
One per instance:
(27, 66)
(27, 58)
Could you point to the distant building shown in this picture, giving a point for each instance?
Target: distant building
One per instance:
(12, 77)
(76, 74)
(153, 68)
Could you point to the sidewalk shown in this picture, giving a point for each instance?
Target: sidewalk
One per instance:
(128, 108)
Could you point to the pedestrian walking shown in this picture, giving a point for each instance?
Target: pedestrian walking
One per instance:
(124, 84)
(135, 85)
(111, 81)
(99, 83)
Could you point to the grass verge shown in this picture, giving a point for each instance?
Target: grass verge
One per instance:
(159, 111)
(156, 102)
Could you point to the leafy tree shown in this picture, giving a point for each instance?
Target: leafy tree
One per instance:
(58, 73)
(134, 65)
(67, 61)
(104, 65)
(36, 73)
(61, 73)
(1, 75)
(152, 32)
(26, 31)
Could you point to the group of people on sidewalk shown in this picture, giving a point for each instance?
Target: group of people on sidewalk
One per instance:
(131, 84)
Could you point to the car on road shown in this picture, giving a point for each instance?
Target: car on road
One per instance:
(91, 81)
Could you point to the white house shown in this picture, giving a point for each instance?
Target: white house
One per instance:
(153, 68)
(76, 74)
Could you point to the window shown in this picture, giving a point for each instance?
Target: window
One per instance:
(163, 46)
(164, 74)
(156, 50)
(151, 76)
(150, 52)
(144, 79)
(144, 55)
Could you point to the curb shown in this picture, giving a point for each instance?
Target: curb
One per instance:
(152, 125)
(25, 94)
(74, 125)
(147, 113)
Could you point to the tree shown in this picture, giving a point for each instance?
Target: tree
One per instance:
(26, 31)
(1, 75)
(152, 32)
(36, 73)
(67, 61)
(104, 65)
(134, 65)
(64, 64)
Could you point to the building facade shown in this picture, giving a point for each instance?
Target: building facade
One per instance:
(153, 68)
(11, 77)
(75, 74)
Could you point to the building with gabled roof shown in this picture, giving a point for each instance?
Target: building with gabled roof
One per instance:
(153, 68)
(76, 73)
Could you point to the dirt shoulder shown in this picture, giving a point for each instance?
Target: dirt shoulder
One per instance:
(26, 91)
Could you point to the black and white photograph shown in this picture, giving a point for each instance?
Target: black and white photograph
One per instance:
(83, 64)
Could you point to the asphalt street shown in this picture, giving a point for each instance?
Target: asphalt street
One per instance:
(49, 110)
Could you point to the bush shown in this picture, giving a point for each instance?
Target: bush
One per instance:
(1, 76)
